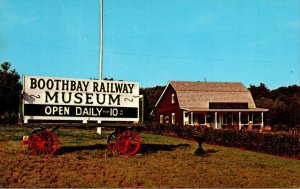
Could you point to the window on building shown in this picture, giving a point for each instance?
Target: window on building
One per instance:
(173, 99)
(235, 117)
(225, 119)
(173, 118)
(161, 119)
(210, 117)
(230, 118)
(201, 119)
(244, 118)
(167, 118)
(185, 118)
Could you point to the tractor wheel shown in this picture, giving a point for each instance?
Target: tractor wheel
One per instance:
(31, 135)
(112, 142)
(44, 142)
(128, 143)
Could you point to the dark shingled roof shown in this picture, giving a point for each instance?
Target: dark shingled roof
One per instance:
(197, 95)
(209, 86)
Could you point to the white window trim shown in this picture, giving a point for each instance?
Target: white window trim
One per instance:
(173, 118)
(173, 99)
(161, 119)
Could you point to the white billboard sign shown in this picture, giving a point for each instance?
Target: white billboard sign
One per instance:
(79, 99)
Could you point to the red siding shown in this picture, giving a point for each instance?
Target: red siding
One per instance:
(166, 108)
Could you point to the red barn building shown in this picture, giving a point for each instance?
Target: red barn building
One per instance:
(216, 104)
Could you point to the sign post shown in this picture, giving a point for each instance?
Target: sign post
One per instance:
(101, 40)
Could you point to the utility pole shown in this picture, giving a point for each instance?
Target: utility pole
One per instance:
(101, 40)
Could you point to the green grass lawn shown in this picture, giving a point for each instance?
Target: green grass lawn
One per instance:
(83, 161)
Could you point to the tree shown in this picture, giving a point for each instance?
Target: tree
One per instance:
(151, 96)
(283, 104)
(268, 104)
(287, 103)
(10, 88)
(260, 91)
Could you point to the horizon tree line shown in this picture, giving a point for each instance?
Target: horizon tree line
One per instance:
(283, 103)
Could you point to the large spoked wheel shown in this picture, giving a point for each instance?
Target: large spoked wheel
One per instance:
(32, 134)
(44, 143)
(128, 143)
(112, 142)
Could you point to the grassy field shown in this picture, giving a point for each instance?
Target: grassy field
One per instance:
(83, 161)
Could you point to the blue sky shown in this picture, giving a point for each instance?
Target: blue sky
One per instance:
(155, 41)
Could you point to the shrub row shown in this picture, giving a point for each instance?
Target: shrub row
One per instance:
(282, 144)
(8, 118)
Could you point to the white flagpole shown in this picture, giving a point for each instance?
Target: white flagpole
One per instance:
(101, 39)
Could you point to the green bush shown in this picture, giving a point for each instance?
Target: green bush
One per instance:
(282, 144)
(8, 118)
